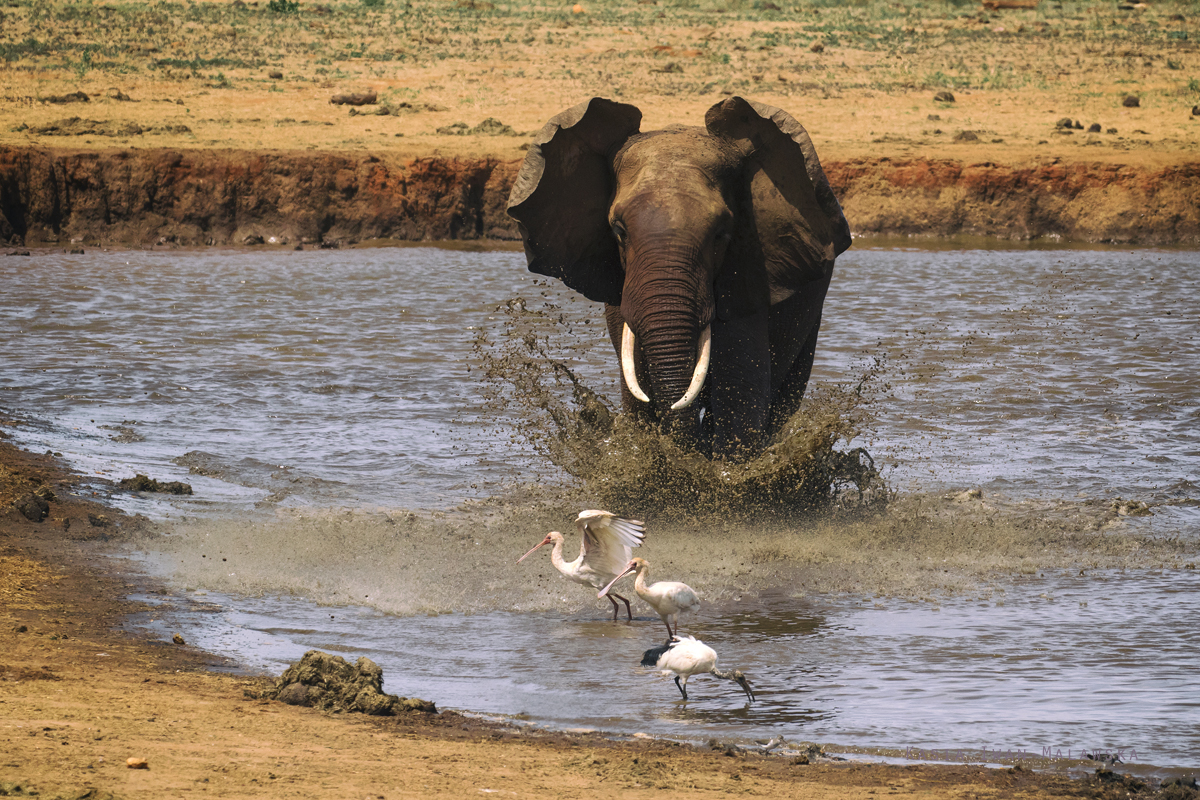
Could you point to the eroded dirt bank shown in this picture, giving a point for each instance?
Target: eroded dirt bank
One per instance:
(222, 197)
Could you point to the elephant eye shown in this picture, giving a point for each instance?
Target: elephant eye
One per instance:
(619, 231)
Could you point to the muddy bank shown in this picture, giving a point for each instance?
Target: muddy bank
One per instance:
(232, 197)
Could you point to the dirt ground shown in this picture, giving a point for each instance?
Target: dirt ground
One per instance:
(81, 695)
(217, 122)
(862, 76)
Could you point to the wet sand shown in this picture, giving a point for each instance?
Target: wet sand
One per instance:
(80, 694)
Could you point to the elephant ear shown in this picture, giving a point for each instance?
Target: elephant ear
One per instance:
(561, 196)
(789, 207)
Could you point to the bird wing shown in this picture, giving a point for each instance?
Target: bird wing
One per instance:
(608, 539)
(651, 657)
(688, 656)
(673, 596)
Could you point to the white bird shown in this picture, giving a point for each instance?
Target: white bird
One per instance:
(606, 549)
(687, 657)
(668, 598)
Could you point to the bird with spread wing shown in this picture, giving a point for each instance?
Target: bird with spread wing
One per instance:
(605, 551)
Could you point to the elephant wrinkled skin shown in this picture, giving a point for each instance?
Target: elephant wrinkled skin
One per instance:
(711, 248)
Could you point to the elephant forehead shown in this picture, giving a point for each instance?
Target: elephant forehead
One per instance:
(688, 158)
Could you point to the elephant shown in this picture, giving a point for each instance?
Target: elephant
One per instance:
(711, 248)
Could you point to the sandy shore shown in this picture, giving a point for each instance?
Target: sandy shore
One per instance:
(80, 694)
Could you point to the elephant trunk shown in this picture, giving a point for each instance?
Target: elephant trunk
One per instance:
(673, 336)
(699, 373)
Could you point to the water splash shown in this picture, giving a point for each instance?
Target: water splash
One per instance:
(625, 464)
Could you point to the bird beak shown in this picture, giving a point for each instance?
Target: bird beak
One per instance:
(745, 684)
(604, 591)
(547, 540)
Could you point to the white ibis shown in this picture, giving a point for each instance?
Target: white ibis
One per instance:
(668, 598)
(605, 551)
(687, 657)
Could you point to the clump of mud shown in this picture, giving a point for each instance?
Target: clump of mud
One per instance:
(331, 683)
(144, 483)
(807, 468)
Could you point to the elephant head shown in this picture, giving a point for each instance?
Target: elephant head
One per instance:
(711, 248)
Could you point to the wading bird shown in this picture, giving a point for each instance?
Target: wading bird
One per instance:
(687, 657)
(607, 540)
(668, 598)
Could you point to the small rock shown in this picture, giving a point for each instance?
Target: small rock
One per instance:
(966, 136)
(357, 99)
(944, 97)
(275, 75)
(137, 763)
(72, 97)
(99, 520)
(1065, 122)
(253, 239)
(1196, 111)
(46, 493)
(1131, 101)
(968, 496)
(1094, 127)
(934, 118)
(817, 47)
(1078, 125)
(1111, 130)
(116, 94)
(177, 639)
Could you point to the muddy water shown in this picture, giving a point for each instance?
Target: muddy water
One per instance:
(356, 492)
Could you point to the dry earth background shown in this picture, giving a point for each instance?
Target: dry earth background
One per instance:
(210, 122)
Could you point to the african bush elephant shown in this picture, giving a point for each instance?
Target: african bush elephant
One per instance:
(711, 248)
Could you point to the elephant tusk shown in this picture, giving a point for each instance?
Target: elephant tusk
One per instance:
(627, 367)
(701, 373)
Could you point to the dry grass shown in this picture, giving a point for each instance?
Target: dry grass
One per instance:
(198, 73)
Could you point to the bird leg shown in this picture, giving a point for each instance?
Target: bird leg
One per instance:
(670, 633)
(616, 607)
(682, 688)
(628, 612)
